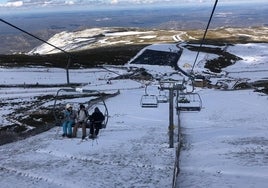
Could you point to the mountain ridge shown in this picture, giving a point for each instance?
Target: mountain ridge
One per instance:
(113, 36)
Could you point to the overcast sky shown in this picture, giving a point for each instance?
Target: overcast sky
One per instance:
(28, 5)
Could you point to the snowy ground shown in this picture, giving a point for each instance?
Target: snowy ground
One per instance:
(224, 145)
(131, 152)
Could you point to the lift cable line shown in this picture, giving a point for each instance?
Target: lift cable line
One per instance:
(203, 39)
(65, 52)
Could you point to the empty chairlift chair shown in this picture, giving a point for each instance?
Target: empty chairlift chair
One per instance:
(162, 98)
(189, 102)
(149, 101)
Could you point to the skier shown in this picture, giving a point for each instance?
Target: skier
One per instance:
(96, 120)
(82, 116)
(69, 120)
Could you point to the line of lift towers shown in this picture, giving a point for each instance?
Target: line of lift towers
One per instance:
(185, 101)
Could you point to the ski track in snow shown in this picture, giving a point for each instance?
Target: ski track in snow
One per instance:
(33, 177)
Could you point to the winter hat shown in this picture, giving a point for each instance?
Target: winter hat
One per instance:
(68, 106)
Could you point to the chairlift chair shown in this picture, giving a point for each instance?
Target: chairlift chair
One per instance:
(189, 102)
(97, 101)
(162, 98)
(149, 101)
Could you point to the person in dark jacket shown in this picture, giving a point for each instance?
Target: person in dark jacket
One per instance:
(96, 120)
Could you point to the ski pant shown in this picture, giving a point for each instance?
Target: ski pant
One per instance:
(67, 127)
(80, 124)
(95, 128)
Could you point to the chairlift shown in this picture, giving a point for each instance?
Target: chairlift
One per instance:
(189, 102)
(162, 98)
(148, 101)
(96, 100)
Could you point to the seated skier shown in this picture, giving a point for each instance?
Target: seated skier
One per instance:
(81, 121)
(69, 119)
(96, 120)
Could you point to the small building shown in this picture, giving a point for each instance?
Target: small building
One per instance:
(200, 82)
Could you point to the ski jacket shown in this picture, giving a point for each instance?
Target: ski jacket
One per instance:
(82, 115)
(97, 117)
(69, 115)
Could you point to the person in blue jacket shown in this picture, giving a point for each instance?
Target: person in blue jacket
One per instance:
(69, 120)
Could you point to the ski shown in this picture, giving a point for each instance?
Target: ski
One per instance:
(82, 140)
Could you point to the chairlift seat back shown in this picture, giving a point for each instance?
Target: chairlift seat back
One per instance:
(162, 99)
(149, 101)
(189, 102)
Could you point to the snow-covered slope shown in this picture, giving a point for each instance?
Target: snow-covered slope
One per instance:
(107, 36)
(90, 38)
(224, 145)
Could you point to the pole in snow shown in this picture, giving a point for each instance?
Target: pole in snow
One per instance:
(171, 123)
